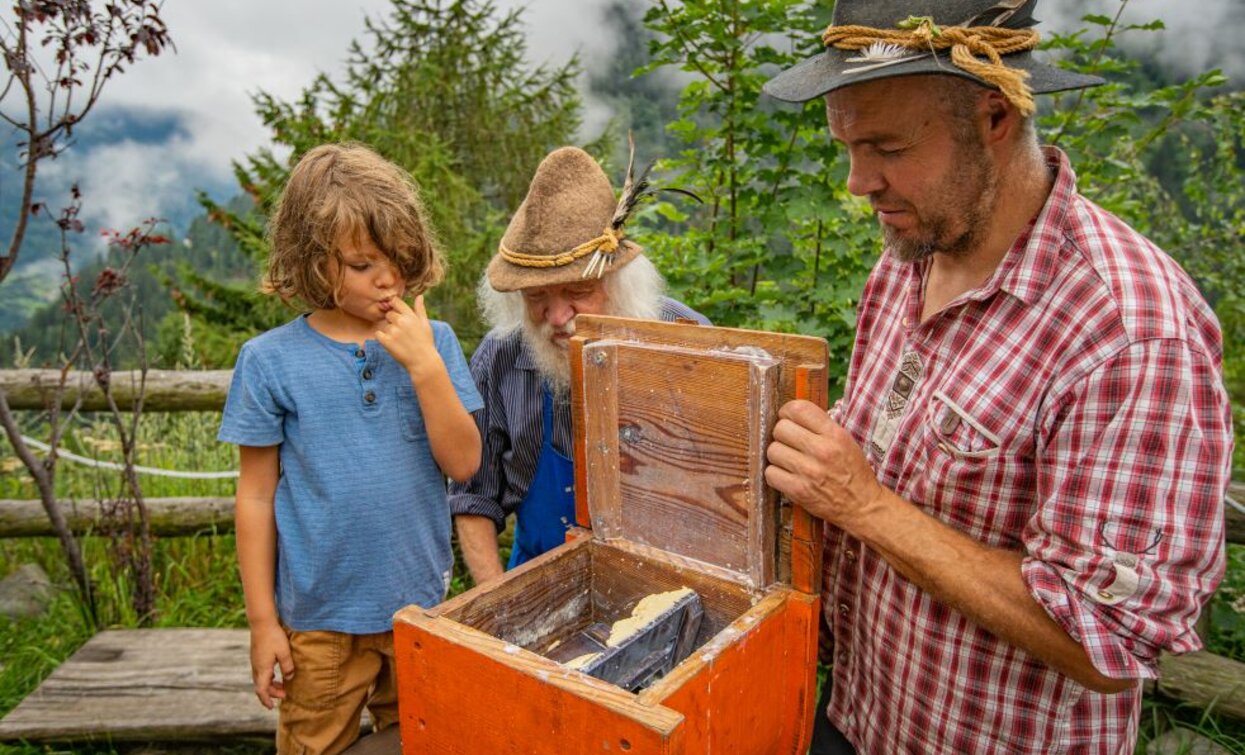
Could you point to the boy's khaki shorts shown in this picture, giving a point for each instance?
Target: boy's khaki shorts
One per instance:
(335, 676)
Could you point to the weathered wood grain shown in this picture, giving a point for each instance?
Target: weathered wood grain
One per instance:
(597, 480)
(162, 390)
(675, 450)
(786, 348)
(806, 529)
(158, 685)
(1205, 680)
(169, 517)
(620, 578)
(789, 351)
(558, 593)
(543, 600)
(583, 517)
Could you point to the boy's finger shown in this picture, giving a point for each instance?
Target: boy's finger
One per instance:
(398, 304)
(286, 662)
(419, 307)
(263, 686)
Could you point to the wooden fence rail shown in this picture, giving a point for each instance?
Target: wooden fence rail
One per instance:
(162, 390)
(169, 517)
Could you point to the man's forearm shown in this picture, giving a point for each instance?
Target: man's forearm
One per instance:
(477, 536)
(983, 583)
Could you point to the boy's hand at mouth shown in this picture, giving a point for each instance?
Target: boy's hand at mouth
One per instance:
(407, 335)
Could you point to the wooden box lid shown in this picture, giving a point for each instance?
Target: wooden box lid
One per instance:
(671, 425)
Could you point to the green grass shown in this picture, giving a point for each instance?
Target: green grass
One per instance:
(1160, 716)
(197, 579)
(1227, 609)
(179, 442)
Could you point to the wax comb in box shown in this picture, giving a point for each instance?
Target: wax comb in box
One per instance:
(638, 649)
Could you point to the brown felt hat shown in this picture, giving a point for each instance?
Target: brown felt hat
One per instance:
(562, 232)
(840, 66)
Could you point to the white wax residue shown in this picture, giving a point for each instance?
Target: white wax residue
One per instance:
(649, 607)
(581, 661)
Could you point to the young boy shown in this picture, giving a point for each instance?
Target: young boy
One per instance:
(348, 420)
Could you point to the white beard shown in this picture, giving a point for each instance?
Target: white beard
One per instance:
(633, 291)
(551, 359)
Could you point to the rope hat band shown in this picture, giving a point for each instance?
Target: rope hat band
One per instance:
(917, 35)
(989, 42)
(605, 244)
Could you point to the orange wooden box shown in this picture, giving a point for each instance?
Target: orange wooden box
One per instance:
(671, 423)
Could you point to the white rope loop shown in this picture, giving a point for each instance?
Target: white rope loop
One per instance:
(71, 456)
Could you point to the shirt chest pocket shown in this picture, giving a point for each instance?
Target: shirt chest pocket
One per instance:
(975, 475)
(410, 415)
(954, 431)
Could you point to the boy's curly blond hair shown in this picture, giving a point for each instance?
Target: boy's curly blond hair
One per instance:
(346, 191)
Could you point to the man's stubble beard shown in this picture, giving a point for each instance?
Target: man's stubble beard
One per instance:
(973, 209)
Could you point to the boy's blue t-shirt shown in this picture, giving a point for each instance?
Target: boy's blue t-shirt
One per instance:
(363, 527)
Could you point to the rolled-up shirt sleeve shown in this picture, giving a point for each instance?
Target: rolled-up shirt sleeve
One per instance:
(1127, 543)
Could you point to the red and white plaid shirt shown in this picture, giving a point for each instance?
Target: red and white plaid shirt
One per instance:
(1071, 408)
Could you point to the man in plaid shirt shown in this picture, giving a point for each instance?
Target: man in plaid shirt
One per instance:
(1026, 473)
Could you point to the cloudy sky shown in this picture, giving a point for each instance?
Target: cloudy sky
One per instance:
(196, 102)
(196, 106)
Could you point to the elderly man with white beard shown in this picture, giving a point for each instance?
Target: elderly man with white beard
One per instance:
(562, 255)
